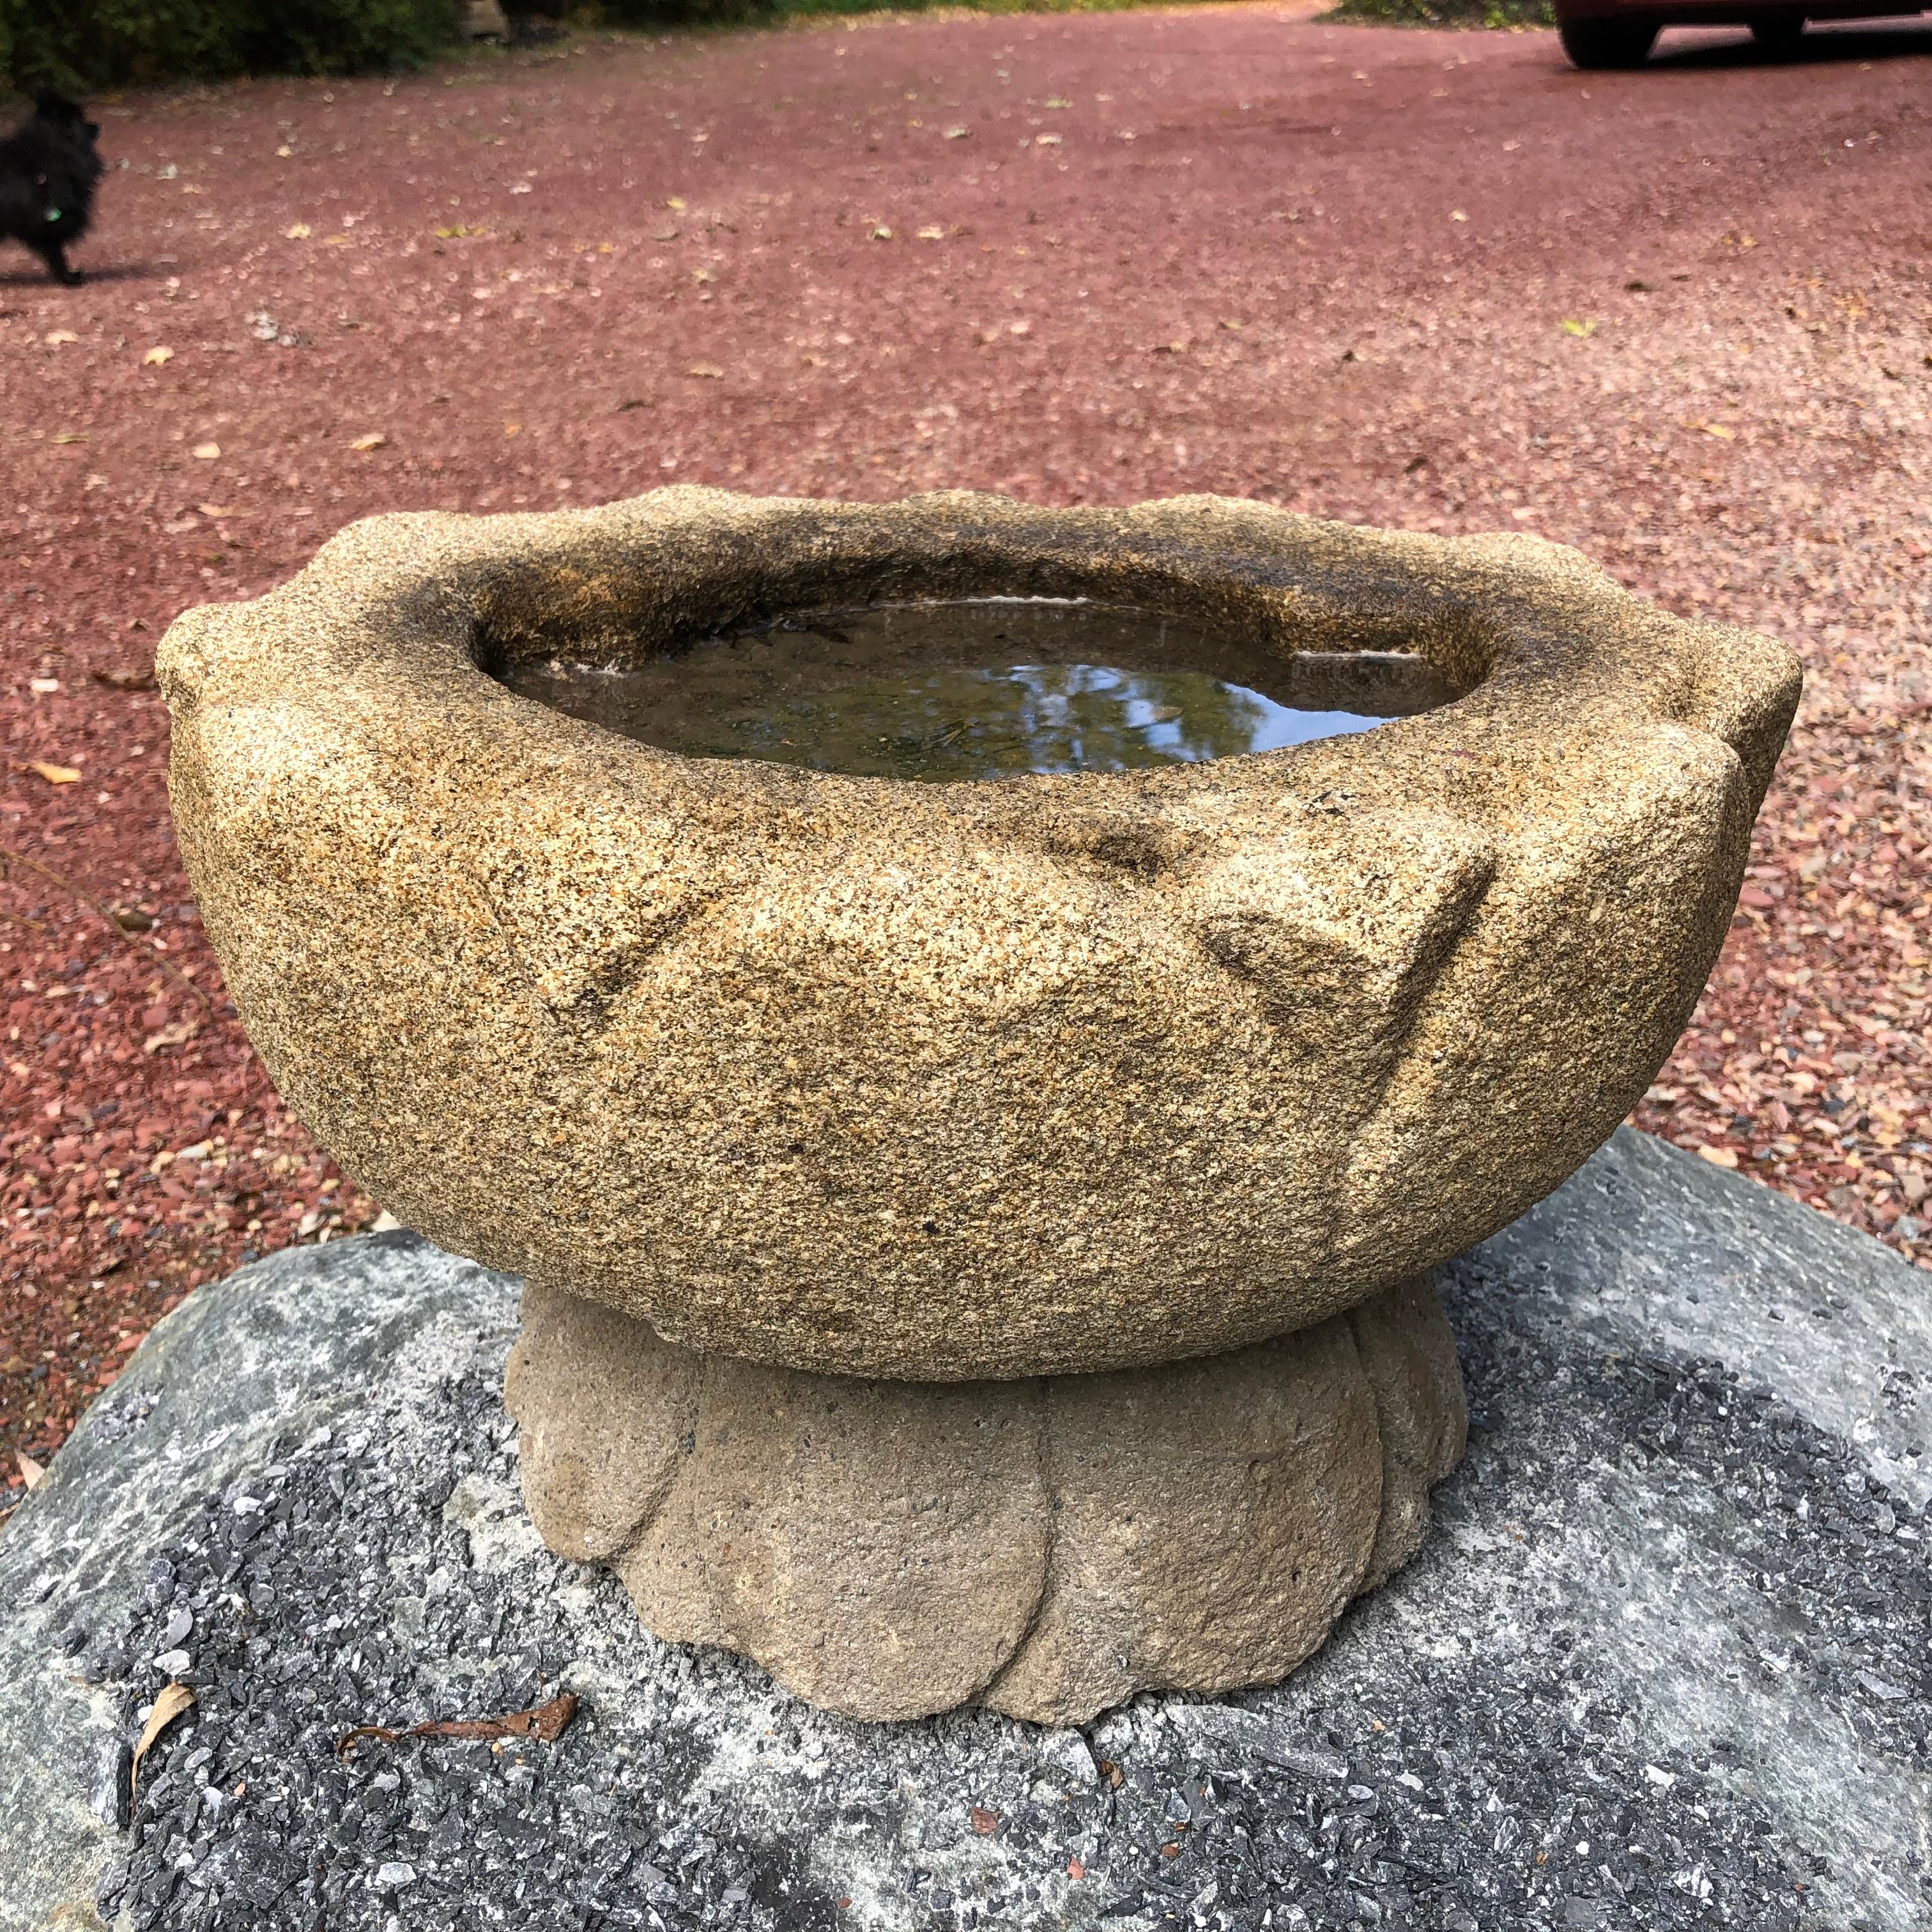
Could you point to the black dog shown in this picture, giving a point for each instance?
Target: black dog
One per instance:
(48, 168)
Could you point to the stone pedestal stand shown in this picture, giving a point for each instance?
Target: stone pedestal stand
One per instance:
(1047, 1546)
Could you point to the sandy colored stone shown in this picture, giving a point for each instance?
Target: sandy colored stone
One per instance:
(879, 1547)
(1047, 1546)
(1213, 1517)
(610, 1440)
(958, 1081)
(1408, 1355)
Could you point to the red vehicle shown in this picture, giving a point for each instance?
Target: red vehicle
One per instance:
(1619, 33)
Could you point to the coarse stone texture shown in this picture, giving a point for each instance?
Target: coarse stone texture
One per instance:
(1047, 1546)
(1663, 1663)
(961, 1081)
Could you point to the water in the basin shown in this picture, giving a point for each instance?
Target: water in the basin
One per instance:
(988, 688)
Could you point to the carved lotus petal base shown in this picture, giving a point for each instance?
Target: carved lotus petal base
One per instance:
(1047, 1546)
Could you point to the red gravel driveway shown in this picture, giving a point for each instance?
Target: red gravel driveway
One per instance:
(1677, 317)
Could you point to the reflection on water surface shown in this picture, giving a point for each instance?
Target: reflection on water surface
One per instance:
(988, 688)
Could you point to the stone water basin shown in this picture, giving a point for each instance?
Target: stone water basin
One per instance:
(974, 1022)
(954, 1080)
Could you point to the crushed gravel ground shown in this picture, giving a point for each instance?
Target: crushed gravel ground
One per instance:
(1676, 317)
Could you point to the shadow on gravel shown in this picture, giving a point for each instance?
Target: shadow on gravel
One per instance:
(1819, 47)
(31, 275)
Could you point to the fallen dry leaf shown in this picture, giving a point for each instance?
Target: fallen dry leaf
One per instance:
(179, 1035)
(985, 1822)
(547, 1721)
(156, 357)
(206, 452)
(709, 370)
(376, 440)
(54, 337)
(174, 1699)
(32, 1474)
(300, 232)
(219, 510)
(1718, 1156)
(71, 436)
(55, 774)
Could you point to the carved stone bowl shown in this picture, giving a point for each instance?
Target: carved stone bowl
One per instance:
(950, 1081)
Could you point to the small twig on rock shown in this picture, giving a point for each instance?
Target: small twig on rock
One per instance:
(8, 856)
(547, 1721)
(21, 919)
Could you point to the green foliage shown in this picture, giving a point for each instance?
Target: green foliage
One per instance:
(83, 44)
(1448, 12)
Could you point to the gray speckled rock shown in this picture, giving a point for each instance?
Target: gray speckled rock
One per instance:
(1662, 1662)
